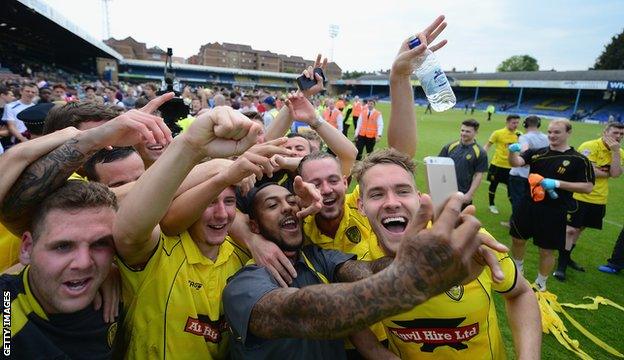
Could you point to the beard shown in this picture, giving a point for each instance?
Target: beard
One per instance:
(279, 241)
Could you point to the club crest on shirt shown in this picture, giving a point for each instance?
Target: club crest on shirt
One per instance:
(565, 162)
(353, 234)
(110, 335)
(456, 292)
(468, 156)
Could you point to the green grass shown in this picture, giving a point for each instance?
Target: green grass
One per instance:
(594, 246)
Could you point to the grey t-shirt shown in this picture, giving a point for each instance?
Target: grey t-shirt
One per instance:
(251, 283)
(535, 140)
(469, 160)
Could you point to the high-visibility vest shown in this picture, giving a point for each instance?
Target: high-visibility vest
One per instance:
(369, 124)
(331, 117)
(340, 104)
(357, 108)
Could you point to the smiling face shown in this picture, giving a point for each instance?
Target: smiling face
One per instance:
(326, 175)
(70, 258)
(149, 152)
(299, 146)
(557, 134)
(275, 210)
(467, 134)
(390, 201)
(215, 222)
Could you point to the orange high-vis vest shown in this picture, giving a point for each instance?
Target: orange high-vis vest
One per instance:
(332, 118)
(340, 105)
(357, 108)
(369, 124)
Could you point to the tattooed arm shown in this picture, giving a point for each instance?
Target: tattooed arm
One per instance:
(354, 270)
(50, 172)
(427, 263)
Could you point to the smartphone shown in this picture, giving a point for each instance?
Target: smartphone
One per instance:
(305, 83)
(441, 178)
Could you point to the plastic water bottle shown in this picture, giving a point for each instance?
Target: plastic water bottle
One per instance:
(433, 80)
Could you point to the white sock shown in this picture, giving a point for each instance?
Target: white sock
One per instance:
(519, 265)
(541, 279)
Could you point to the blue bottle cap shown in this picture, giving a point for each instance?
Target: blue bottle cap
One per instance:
(413, 43)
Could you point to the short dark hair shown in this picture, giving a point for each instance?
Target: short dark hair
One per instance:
(105, 156)
(75, 113)
(512, 117)
(472, 123)
(294, 135)
(151, 86)
(531, 121)
(74, 195)
(316, 155)
(253, 115)
(614, 124)
(140, 102)
(59, 85)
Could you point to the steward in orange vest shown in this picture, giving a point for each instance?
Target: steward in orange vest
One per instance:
(369, 129)
(332, 115)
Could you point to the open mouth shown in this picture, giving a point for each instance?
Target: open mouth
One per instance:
(329, 201)
(155, 147)
(76, 286)
(289, 223)
(217, 227)
(396, 224)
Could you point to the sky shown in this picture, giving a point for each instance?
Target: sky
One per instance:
(561, 35)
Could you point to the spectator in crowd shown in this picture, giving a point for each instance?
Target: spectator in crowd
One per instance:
(271, 112)
(543, 218)
(607, 159)
(16, 127)
(369, 129)
(247, 104)
(357, 110)
(498, 171)
(332, 115)
(111, 97)
(149, 90)
(59, 92)
(45, 96)
(470, 159)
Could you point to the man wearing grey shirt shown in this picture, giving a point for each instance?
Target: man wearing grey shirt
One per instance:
(518, 176)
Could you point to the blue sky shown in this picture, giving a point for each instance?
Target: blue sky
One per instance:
(564, 35)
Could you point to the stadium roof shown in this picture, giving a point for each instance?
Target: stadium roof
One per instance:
(25, 13)
(220, 70)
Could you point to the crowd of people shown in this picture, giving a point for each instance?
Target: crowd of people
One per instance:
(239, 237)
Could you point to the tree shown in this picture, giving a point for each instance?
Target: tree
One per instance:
(518, 63)
(612, 58)
(354, 74)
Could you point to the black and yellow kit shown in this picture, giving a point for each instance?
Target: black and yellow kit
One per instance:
(37, 335)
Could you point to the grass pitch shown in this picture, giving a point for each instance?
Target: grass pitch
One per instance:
(594, 246)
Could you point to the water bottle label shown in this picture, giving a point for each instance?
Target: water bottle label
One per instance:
(433, 80)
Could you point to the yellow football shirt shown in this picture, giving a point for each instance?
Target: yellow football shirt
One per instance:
(9, 248)
(501, 139)
(173, 306)
(354, 229)
(458, 324)
(600, 156)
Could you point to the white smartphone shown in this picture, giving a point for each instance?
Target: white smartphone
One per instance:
(441, 178)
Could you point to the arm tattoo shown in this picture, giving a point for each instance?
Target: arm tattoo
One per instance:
(354, 270)
(40, 179)
(335, 310)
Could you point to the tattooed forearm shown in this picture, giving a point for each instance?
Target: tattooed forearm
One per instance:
(335, 310)
(40, 179)
(353, 270)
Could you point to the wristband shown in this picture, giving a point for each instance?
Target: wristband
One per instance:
(317, 123)
(557, 184)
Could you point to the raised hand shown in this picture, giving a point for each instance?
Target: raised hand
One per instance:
(309, 73)
(255, 161)
(406, 59)
(612, 143)
(134, 126)
(300, 108)
(310, 199)
(222, 132)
